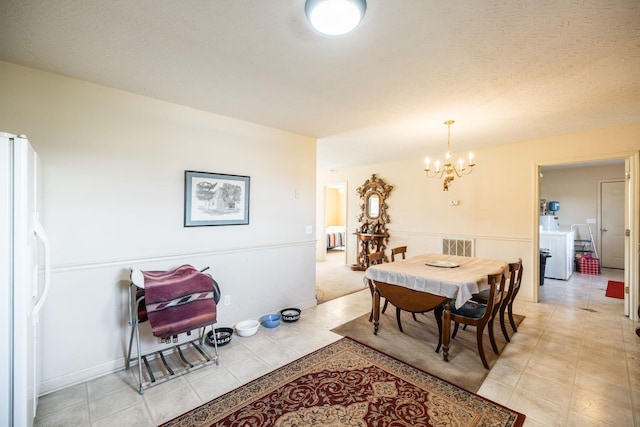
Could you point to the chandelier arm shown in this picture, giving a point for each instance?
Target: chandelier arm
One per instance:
(434, 174)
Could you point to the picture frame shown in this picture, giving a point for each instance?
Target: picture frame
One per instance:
(215, 199)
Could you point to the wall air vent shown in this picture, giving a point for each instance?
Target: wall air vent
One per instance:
(460, 247)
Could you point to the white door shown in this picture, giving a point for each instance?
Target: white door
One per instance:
(612, 224)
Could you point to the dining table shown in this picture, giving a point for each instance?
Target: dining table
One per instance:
(429, 282)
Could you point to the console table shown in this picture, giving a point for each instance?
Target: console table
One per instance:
(368, 243)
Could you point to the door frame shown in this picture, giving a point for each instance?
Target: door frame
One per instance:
(632, 223)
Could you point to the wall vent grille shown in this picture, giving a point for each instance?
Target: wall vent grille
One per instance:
(460, 247)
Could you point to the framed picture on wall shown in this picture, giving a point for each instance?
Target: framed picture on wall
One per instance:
(215, 199)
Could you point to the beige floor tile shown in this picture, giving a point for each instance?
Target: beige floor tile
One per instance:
(235, 351)
(496, 391)
(541, 410)
(552, 371)
(249, 369)
(276, 356)
(504, 374)
(123, 379)
(530, 422)
(617, 392)
(70, 396)
(109, 404)
(581, 420)
(598, 407)
(74, 415)
(174, 385)
(214, 384)
(170, 399)
(613, 369)
(635, 405)
(561, 360)
(559, 394)
(134, 416)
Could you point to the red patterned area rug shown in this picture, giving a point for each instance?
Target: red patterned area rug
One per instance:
(349, 384)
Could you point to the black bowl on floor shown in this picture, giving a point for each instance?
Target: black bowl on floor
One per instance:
(290, 314)
(223, 336)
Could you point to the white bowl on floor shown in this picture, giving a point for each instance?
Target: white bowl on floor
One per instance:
(246, 328)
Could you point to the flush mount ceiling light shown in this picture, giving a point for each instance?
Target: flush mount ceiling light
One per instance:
(335, 17)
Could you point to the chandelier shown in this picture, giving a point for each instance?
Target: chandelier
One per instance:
(449, 171)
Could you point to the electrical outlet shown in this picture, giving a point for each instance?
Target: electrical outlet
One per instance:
(454, 202)
(227, 299)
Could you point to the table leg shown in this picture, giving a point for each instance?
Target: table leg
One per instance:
(376, 310)
(446, 330)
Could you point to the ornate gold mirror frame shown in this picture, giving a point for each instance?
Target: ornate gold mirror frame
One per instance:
(372, 233)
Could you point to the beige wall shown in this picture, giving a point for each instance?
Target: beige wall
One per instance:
(498, 202)
(335, 203)
(114, 168)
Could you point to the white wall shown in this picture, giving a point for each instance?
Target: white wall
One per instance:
(498, 202)
(114, 168)
(577, 190)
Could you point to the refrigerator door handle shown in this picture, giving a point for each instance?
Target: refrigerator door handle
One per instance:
(42, 235)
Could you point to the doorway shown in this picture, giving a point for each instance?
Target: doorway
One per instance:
(573, 209)
(335, 219)
(333, 278)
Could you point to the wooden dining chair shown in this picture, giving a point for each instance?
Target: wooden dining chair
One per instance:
(400, 250)
(506, 308)
(478, 314)
(376, 258)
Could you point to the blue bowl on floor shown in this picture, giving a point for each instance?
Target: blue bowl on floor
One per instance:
(271, 320)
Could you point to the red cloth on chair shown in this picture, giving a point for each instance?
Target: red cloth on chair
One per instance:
(179, 300)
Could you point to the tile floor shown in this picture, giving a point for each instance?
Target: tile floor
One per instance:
(575, 361)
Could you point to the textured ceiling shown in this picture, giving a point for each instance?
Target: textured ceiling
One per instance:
(506, 71)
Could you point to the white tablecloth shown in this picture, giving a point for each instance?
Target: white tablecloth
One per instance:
(460, 282)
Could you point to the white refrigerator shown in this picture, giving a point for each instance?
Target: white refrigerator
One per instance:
(24, 280)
